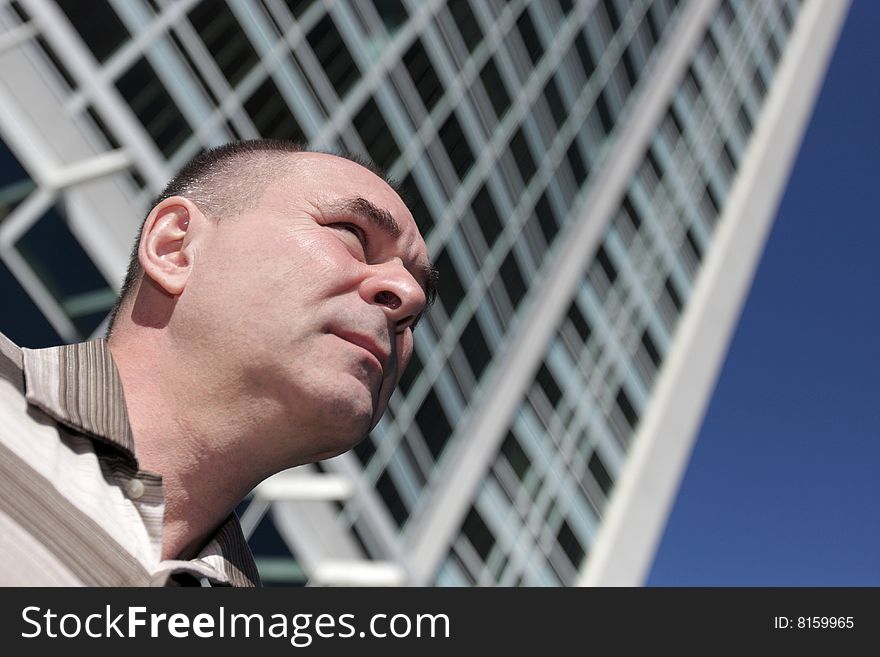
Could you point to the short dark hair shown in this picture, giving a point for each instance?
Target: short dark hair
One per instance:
(223, 181)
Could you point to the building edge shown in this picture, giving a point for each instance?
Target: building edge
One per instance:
(636, 516)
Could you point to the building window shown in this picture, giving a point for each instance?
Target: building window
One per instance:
(548, 385)
(672, 294)
(650, 348)
(787, 18)
(710, 46)
(391, 496)
(423, 76)
(335, 59)
(629, 210)
(745, 121)
(155, 109)
(298, 7)
(584, 55)
(581, 325)
(478, 534)
(600, 473)
(546, 218)
(365, 450)
(68, 273)
(392, 13)
(15, 183)
(570, 544)
(495, 88)
(727, 13)
(449, 287)
(271, 115)
(416, 204)
(613, 14)
(486, 215)
(653, 29)
(523, 156)
(604, 113)
(628, 68)
(626, 408)
(691, 241)
(710, 205)
(608, 268)
(456, 146)
(653, 164)
(376, 136)
(27, 326)
(759, 85)
(554, 101)
(475, 347)
(566, 6)
(576, 162)
(98, 25)
(516, 457)
(530, 36)
(411, 373)
(225, 40)
(433, 424)
(466, 23)
(513, 280)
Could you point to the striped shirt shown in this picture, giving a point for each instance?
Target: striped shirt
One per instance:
(74, 507)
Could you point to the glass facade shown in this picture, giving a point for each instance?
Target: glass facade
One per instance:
(543, 498)
(497, 118)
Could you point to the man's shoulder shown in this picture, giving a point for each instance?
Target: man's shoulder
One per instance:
(11, 363)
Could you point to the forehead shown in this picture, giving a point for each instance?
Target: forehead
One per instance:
(323, 181)
(318, 176)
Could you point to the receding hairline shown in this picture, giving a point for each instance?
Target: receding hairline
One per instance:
(233, 181)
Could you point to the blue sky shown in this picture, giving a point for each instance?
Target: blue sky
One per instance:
(783, 487)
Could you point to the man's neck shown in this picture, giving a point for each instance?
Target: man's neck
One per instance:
(192, 434)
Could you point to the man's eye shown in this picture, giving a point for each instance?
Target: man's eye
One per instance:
(355, 230)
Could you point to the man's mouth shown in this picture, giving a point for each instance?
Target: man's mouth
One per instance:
(372, 346)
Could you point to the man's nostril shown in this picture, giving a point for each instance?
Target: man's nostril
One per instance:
(388, 299)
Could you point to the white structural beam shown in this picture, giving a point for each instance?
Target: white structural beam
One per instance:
(304, 486)
(85, 70)
(357, 573)
(295, 485)
(646, 488)
(17, 35)
(92, 168)
(311, 527)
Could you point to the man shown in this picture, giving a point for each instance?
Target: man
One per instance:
(264, 323)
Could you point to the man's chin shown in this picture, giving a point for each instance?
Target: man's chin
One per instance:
(338, 445)
(342, 417)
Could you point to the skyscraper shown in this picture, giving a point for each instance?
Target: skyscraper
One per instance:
(594, 179)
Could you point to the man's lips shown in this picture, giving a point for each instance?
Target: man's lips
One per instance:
(371, 345)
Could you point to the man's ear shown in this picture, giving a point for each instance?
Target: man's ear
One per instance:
(167, 248)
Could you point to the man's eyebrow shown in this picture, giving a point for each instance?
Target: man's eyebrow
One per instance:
(379, 217)
(429, 275)
(383, 220)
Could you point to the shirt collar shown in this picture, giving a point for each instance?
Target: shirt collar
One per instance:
(229, 553)
(79, 386)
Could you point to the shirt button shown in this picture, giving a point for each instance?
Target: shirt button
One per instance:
(134, 488)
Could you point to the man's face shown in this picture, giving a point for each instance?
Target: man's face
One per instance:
(307, 299)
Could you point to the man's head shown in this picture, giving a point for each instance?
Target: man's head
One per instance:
(292, 277)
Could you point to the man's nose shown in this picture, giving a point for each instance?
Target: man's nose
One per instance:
(393, 287)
